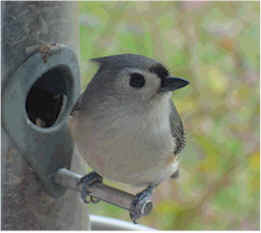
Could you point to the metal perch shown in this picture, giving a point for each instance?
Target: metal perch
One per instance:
(103, 192)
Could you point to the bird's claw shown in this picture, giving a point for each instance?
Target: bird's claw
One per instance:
(141, 205)
(87, 181)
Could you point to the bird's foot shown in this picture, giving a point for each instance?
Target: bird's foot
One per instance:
(87, 181)
(142, 204)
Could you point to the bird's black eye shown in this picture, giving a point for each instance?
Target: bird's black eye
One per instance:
(137, 80)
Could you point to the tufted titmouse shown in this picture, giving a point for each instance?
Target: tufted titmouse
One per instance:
(125, 124)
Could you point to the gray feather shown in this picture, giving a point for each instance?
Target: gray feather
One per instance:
(77, 105)
(177, 130)
(175, 175)
(125, 60)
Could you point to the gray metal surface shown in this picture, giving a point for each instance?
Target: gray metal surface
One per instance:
(46, 148)
(101, 223)
(24, 203)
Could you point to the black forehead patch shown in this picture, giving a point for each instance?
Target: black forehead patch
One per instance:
(160, 70)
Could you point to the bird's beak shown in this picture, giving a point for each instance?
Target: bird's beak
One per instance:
(172, 83)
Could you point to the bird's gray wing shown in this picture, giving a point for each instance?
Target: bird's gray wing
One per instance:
(177, 132)
(77, 105)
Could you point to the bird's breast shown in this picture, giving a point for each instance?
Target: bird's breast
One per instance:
(126, 147)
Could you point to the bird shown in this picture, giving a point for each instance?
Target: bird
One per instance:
(126, 125)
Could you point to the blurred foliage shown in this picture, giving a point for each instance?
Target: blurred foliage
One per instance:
(215, 45)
